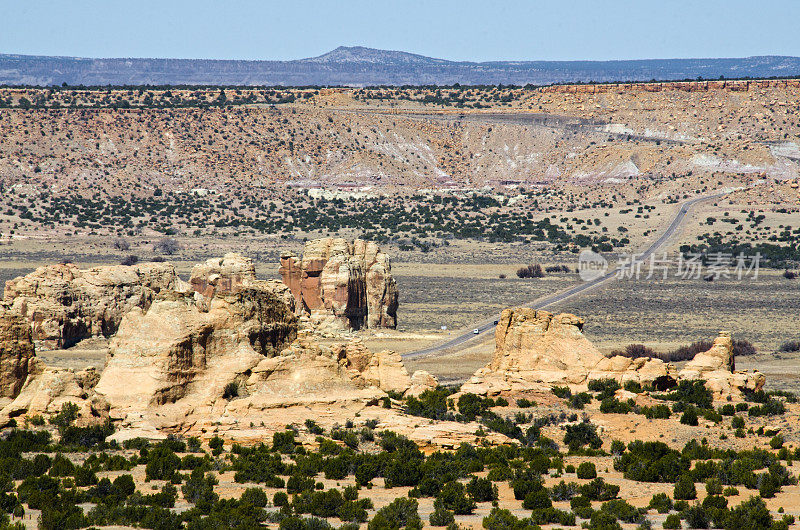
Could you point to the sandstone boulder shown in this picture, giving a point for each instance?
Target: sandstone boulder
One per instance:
(16, 353)
(342, 285)
(717, 367)
(64, 304)
(641, 370)
(383, 369)
(420, 382)
(719, 357)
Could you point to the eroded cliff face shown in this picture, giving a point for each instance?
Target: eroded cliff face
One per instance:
(342, 285)
(183, 339)
(206, 356)
(64, 304)
(534, 347)
(16, 353)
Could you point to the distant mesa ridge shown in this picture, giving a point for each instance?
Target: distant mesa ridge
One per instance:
(359, 66)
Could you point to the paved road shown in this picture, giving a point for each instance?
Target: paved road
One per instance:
(488, 325)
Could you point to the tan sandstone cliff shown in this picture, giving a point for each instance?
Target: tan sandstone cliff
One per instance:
(65, 304)
(342, 285)
(536, 347)
(16, 353)
(187, 363)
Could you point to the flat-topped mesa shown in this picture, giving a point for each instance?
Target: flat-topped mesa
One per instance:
(223, 275)
(342, 285)
(536, 347)
(65, 304)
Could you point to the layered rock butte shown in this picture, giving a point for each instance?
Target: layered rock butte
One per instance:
(534, 347)
(342, 285)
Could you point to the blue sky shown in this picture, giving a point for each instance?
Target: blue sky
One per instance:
(460, 30)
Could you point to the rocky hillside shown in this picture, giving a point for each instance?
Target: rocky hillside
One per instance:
(413, 167)
(527, 137)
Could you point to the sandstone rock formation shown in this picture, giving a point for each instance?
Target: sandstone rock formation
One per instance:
(420, 382)
(537, 347)
(533, 347)
(159, 352)
(190, 363)
(47, 389)
(16, 353)
(383, 369)
(220, 354)
(342, 285)
(719, 357)
(223, 275)
(65, 304)
(717, 367)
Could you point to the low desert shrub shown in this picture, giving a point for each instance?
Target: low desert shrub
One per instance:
(790, 346)
(531, 271)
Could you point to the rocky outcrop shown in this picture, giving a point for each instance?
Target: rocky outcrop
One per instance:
(188, 363)
(717, 367)
(64, 304)
(342, 285)
(420, 382)
(188, 360)
(180, 340)
(47, 389)
(16, 353)
(719, 357)
(223, 275)
(538, 347)
(534, 347)
(232, 273)
(383, 369)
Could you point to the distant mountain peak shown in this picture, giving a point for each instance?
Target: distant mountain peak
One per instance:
(361, 54)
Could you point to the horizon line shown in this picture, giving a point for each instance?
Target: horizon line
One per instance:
(694, 58)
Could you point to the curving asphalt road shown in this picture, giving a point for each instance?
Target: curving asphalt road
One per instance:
(487, 325)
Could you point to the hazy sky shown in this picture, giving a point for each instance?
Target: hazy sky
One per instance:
(458, 29)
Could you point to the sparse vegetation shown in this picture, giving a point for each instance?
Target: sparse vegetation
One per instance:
(531, 271)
